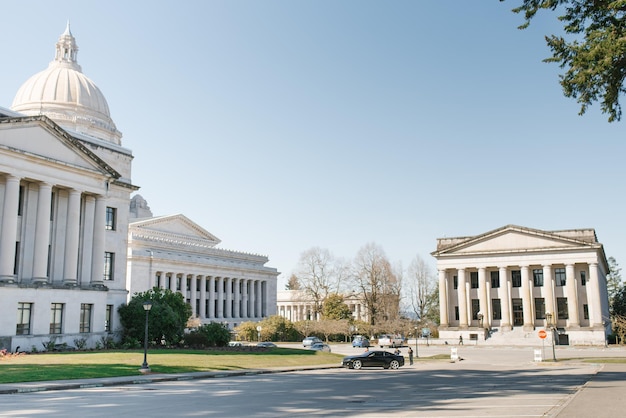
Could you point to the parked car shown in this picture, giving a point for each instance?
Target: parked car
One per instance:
(360, 341)
(308, 341)
(235, 344)
(266, 344)
(320, 347)
(382, 359)
(388, 340)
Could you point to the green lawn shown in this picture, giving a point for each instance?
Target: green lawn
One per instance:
(82, 365)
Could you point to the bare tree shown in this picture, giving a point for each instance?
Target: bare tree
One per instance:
(421, 286)
(319, 274)
(377, 283)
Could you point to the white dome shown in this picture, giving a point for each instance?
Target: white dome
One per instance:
(64, 94)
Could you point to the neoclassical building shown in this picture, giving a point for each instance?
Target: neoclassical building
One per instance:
(172, 252)
(65, 184)
(296, 306)
(70, 254)
(504, 285)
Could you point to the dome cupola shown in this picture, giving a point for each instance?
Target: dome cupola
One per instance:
(68, 97)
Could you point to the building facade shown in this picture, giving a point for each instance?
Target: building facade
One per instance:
(172, 252)
(504, 285)
(297, 306)
(64, 191)
(69, 253)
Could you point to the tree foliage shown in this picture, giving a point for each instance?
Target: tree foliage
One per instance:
(334, 307)
(595, 58)
(613, 281)
(166, 319)
(212, 334)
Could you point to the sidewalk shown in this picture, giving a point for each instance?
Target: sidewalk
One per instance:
(604, 395)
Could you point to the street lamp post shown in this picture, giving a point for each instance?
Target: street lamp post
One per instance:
(550, 325)
(416, 354)
(147, 305)
(258, 333)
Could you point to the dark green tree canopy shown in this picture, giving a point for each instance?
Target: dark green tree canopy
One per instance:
(334, 307)
(166, 320)
(595, 58)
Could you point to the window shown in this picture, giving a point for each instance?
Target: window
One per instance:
(56, 318)
(475, 308)
(474, 279)
(495, 280)
(23, 318)
(20, 202)
(158, 280)
(108, 318)
(17, 258)
(561, 306)
(455, 282)
(178, 283)
(85, 317)
(188, 284)
(52, 206)
(516, 278)
(496, 308)
(586, 311)
(583, 278)
(538, 278)
(111, 219)
(540, 308)
(109, 265)
(456, 313)
(559, 276)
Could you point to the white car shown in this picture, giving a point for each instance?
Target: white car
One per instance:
(388, 340)
(309, 341)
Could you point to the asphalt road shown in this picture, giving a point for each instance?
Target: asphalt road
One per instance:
(487, 382)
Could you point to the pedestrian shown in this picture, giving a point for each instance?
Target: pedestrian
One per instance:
(397, 352)
(460, 340)
(410, 355)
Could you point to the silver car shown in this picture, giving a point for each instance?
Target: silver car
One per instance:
(309, 341)
(320, 347)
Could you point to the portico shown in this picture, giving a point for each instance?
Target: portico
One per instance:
(510, 278)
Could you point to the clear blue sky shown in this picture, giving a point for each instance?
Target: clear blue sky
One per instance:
(283, 125)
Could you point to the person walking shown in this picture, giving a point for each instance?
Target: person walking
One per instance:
(460, 340)
(410, 355)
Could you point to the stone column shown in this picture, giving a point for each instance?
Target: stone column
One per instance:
(211, 313)
(593, 297)
(244, 298)
(173, 281)
(526, 303)
(72, 239)
(482, 297)
(220, 297)
(193, 294)
(505, 300)
(462, 296)
(42, 234)
(259, 299)
(99, 225)
(8, 234)
(548, 283)
(572, 297)
(236, 298)
(203, 282)
(228, 282)
(443, 300)
(253, 299)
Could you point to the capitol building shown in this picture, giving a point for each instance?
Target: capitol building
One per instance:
(77, 241)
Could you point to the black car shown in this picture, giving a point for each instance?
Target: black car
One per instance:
(382, 359)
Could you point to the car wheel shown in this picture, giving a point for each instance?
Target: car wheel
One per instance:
(395, 364)
(356, 364)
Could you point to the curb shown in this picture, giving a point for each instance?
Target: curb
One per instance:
(29, 387)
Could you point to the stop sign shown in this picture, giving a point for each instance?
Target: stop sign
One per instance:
(543, 333)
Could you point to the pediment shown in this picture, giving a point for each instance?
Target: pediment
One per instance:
(176, 226)
(515, 239)
(40, 138)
